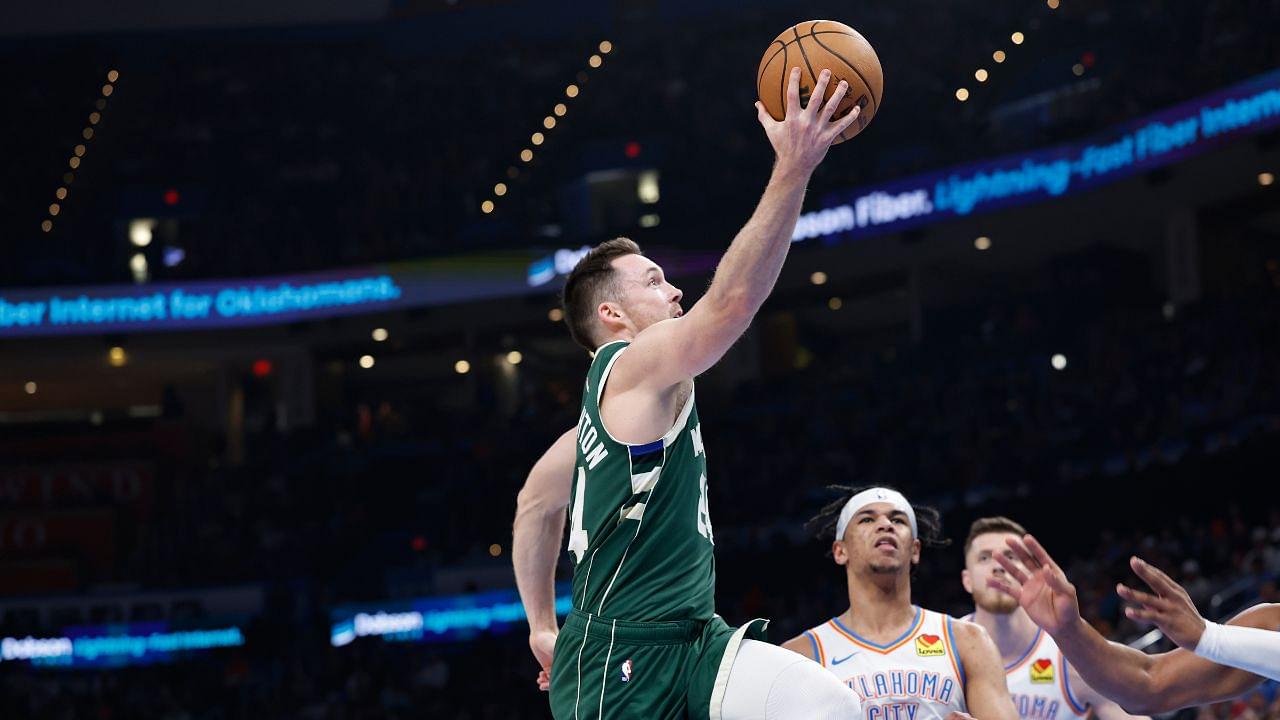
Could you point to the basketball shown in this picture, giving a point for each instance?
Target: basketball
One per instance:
(812, 46)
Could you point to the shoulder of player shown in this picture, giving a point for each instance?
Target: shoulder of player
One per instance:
(1264, 615)
(801, 644)
(633, 364)
(973, 643)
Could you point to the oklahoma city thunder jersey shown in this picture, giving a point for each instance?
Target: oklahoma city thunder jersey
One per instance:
(1040, 683)
(640, 531)
(919, 676)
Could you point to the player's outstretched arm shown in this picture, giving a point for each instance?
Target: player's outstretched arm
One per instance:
(986, 689)
(1104, 708)
(535, 544)
(673, 351)
(1169, 607)
(1138, 682)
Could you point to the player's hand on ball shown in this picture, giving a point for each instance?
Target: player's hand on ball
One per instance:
(1042, 588)
(543, 645)
(801, 139)
(1169, 609)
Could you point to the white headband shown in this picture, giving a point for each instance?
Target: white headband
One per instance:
(875, 495)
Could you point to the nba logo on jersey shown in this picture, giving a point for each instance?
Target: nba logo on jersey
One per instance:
(1042, 671)
(626, 670)
(929, 646)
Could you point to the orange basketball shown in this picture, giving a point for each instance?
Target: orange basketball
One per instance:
(812, 46)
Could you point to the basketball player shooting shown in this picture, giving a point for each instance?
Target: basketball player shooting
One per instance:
(903, 662)
(1139, 682)
(1043, 684)
(642, 639)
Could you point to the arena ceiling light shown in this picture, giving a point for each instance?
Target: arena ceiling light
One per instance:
(78, 152)
(380, 335)
(1265, 179)
(549, 122)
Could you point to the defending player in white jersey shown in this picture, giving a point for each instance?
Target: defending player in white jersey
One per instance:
(1043, 684)
(903, 661)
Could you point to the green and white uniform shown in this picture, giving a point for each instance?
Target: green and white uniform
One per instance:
(643, 639)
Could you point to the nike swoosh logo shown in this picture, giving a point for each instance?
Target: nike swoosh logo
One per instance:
(837, 661)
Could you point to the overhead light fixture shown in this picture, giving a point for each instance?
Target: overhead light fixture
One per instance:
(140, 231)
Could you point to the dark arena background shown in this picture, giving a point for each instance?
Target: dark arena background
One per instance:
(280, 333)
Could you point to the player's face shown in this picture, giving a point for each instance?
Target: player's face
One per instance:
(980, 565)
(878, 540)
(645, 295)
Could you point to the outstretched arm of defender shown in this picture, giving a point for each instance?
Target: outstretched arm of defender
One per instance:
(1138, 682)
(673, 351)
(535, 544)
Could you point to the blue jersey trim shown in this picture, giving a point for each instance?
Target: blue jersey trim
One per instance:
(1035, 641)
(887, 645)
(951, 637)
(1066, 685)
(638, 450)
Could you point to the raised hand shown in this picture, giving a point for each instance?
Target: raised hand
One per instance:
(1042, 588)
(803, 136)
(543, 645)
(1169, 609)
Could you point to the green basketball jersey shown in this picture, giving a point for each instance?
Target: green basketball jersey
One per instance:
(640, 532)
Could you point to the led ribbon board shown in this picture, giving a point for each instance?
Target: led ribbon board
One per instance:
(1175, 134)
(435, 619)
(116, 645)
(209, 304)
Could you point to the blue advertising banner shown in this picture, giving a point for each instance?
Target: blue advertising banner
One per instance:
(208, 304)
(1157, 140)
(117, 645)
(435, 619)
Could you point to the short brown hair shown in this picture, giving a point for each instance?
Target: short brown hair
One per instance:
(989, 525)
(591, 282)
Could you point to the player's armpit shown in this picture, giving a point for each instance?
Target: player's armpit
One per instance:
(801, 644)
(673, 351)
(986, 689)
(1180, 679)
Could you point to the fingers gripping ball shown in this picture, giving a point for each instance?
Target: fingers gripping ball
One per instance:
(812, 46)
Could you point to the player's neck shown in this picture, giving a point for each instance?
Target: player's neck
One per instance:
(880, 607)
(1012, 632)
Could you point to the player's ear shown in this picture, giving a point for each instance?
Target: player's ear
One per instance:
(611, 314)
(964, 580)
(915, 552)
(838, 552)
